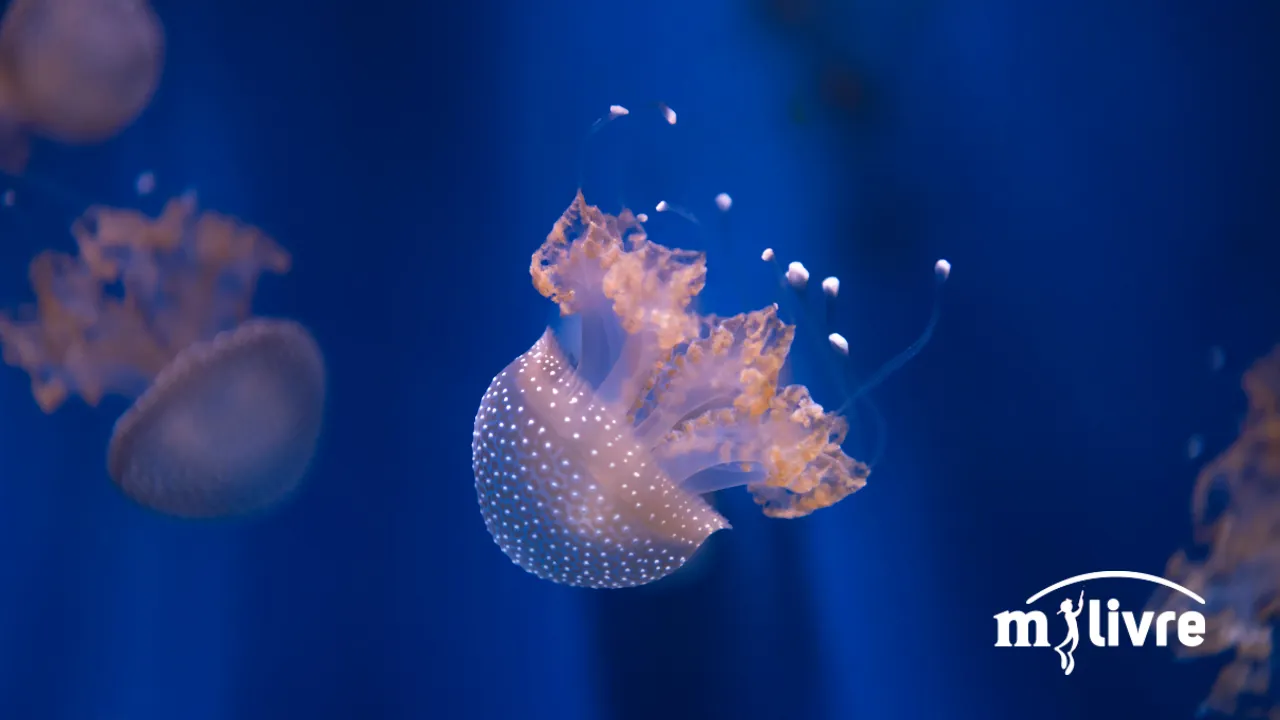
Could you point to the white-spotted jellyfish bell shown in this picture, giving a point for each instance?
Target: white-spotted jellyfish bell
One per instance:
(593, 448)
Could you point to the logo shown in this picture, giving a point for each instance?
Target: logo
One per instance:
(1187, 626)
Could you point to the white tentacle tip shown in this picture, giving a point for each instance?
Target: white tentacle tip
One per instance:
(797, 275)
(942, 269)
(831, 286)
(839, 343)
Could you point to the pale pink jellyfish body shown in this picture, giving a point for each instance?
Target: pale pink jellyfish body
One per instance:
(75, 71)
(228, 409)
(591, 450)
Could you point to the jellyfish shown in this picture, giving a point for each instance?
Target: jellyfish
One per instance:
(592, 450)
(226, 409)
(74, 71)
(1236, 513)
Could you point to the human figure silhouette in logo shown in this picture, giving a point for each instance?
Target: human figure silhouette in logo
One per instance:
(1073, 633)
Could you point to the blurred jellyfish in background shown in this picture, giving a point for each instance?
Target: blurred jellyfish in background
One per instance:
(1236, 511)
(74, 71)
(227, 410)
(591, 450)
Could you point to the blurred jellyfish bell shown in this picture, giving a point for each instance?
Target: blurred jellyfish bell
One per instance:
(228, 427)
(227, 409)
(75, 71)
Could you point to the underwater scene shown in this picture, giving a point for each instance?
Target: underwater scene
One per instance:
(785, 359)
